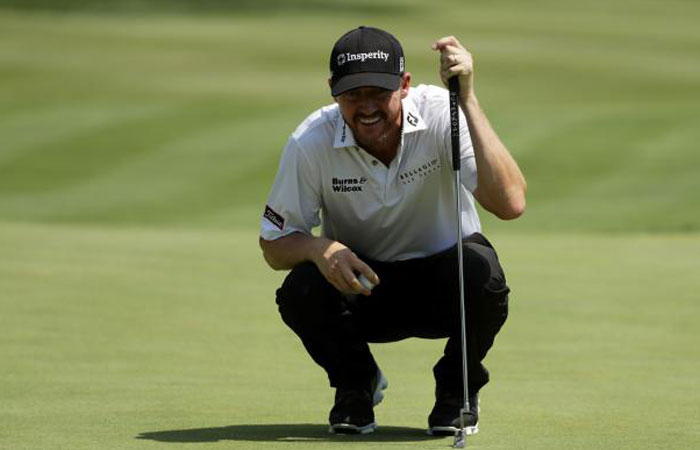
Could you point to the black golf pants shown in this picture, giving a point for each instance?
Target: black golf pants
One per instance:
(415, 298)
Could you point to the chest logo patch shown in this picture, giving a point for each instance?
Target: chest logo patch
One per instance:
(419, 172)
(348, 184)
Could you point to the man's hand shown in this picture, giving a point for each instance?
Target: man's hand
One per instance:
(455, 60)
(341, 266)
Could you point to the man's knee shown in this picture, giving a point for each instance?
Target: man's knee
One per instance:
(301, 282)
(304, 297)
(489, 281)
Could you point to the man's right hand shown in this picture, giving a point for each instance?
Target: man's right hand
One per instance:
(338, 264)
(341, 266)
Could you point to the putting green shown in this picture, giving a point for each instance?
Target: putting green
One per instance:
(127, 338)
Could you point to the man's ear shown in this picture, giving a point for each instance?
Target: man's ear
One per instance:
(405, 84)
(329, 85)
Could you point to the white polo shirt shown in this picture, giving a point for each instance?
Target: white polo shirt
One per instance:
(403, 211)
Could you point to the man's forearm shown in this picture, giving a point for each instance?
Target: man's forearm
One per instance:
(288, 251)
(501, 185)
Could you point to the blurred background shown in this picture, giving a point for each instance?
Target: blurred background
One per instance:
(139, 140)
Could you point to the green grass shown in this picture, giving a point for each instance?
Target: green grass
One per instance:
(124, 338)
(172, 120)
(138, 144)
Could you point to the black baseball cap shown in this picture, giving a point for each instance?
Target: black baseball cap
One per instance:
(366, 56)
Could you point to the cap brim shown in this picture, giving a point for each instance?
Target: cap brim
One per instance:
(373, 79)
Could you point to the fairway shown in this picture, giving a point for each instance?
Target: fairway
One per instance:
(137, 147)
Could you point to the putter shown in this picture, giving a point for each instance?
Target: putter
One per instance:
(453, 84)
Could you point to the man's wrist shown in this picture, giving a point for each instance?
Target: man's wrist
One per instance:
(471, 102)
(315, 249)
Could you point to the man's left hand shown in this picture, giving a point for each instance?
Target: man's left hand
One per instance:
(455, 60)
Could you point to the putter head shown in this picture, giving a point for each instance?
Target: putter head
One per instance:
(460, 439)
(461, 433)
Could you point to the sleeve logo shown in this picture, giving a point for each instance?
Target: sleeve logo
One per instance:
(276, 219)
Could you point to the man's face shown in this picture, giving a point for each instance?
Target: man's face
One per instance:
(373, 114)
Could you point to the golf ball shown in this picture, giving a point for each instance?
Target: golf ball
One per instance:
(365, 282)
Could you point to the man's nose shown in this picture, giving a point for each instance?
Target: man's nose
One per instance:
(367, 105)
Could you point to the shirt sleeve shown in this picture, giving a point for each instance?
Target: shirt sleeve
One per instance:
(294, 201)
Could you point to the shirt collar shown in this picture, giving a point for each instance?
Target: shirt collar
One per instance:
(412, 121)
(343, 133)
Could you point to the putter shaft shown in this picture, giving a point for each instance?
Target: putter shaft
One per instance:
(460, 436)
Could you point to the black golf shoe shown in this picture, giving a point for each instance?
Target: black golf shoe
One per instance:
(353, 411)
(445, 418)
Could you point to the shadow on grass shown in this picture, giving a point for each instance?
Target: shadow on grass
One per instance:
(304, 432)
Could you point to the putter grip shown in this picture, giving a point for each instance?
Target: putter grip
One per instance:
(453, 84)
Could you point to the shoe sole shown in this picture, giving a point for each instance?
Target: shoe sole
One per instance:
(348, 428)
(450, 431)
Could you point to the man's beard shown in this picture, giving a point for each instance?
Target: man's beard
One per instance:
(378, 142)
(382, 140)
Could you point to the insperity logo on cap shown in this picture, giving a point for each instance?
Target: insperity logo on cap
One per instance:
(366, 56)
(344, 57)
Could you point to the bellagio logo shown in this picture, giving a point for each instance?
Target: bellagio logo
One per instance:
(419, 172)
